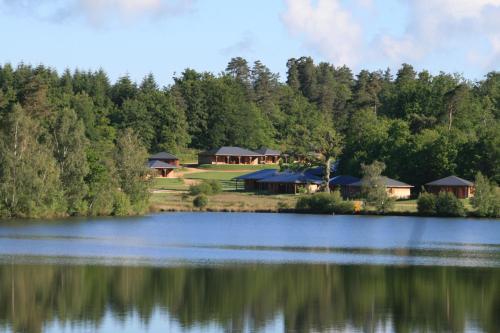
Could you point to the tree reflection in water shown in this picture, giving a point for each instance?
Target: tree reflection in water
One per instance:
(308, 297)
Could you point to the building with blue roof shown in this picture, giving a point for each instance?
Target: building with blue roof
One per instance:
(291, 182)
(341, 183)
(162, 169)
(395, 188)
(250, 179)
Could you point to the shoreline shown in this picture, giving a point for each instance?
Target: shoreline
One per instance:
(294, 211)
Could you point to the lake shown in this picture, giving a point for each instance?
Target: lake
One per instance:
(237, 272)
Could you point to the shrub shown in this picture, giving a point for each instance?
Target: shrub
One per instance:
(121, 204)
(316, 203)
(426, 204)
(344, 207)
(207, 187)
(201, 201)
(282, 205)
(215, 185)
(202, 188)
(486, 199)
(324, 203)
(447, 204)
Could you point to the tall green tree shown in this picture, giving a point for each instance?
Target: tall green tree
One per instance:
(70, 146)
(133, 174)
(29, 178)
(329, 144)
(486, 197)
(373, 188)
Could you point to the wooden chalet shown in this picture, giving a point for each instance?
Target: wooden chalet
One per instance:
(290, 182)
(269, 156)
(394, 188)
(250, 180)
(163, 164)
(165, 157)
(461, 188)
(273, 181)
(229, 155)
(341, 183)
(162, 169)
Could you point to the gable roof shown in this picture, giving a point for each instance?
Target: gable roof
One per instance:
(292, 178)
(163, 156)
(230, 151)
(156, 164)
(257, 175)
(451, 181)
(388, 182)
(268, 151)
(343, 180)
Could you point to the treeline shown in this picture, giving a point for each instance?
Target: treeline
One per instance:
(59, 155)
(79, 131)
(306, 298)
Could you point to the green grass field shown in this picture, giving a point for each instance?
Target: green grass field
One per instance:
(176, 184)
(238, 166)
(225, 178)
(405, 206)
(215, 175)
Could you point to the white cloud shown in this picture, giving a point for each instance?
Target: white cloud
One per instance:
(99, 12)
(326, 26)
(442, 25)
(466, 31)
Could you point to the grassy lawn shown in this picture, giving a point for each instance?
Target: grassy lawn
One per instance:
(238, 166)
(178, 184)
(225, 178)
(229, 201)
(405, 206)
(215, 175)
(175, 184)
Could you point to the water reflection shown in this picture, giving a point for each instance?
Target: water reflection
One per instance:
(299, 298)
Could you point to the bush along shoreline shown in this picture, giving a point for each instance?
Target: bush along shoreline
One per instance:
(444, 205)
(324, 203)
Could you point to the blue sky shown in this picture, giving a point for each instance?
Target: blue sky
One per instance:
(166, 36)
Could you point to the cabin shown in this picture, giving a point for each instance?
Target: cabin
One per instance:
(269, 156)
(290, 182)
(165, 157)
(229, 155)
(250, 179)
(162, 169)
(461, 188)
(395, 189)
(163, 164)
(341, 184)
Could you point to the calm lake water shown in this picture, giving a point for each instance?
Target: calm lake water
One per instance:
(212, 272)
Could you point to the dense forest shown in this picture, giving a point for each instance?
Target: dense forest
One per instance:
(75, 143)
